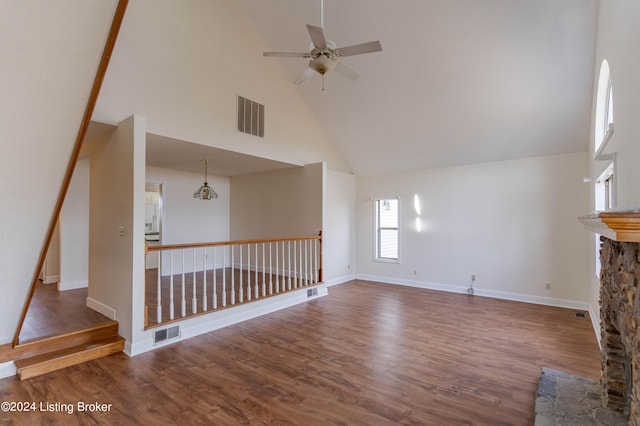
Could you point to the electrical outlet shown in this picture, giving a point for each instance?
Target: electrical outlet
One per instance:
(473, 277)
(122, 231)
(548, 287)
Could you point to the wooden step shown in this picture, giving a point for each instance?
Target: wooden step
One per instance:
(62, 358)
(54, 343)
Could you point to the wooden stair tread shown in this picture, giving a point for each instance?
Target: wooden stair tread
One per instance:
(66, 357)
(53, 343)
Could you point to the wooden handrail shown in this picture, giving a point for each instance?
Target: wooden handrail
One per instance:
(75, 154)
(230, 243)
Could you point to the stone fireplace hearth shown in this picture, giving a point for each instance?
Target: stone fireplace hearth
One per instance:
(619, 309)
(619, 313)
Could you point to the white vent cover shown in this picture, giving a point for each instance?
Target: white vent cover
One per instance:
(250, 117)
(166, 334)
(312, 292)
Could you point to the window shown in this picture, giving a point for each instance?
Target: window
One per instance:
(604, 109)
(605, 183)
(387, 232)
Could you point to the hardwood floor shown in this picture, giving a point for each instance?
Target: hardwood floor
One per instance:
(54, 312)
(367, 354)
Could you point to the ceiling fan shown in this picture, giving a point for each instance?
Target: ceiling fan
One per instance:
(325, 56)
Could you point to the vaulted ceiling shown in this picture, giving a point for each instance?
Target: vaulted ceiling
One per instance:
(457, 82)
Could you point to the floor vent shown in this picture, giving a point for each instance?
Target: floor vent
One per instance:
(166, 334)
(580, 314)
(250, 117)
(312, 292)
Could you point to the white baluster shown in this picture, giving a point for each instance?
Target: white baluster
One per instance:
(306, 262)
(159, 306)
(184, 300)
(248, 272)
(171, 302)
(295, 264)
(270, 272)
(194, 299)
(233, 280)
(277, 276)
(204, 279)
(264, 273)
(289, 271)
(224, 276)
(215, 289)
(256, 276)
(315, 261)
(241, 290)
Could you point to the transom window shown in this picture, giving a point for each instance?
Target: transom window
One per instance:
(387, 229)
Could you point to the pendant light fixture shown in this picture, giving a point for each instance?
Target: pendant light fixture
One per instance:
(205, 192)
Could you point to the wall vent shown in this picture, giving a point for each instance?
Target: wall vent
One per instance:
(250, 117)
(166, 334)
(312, 292)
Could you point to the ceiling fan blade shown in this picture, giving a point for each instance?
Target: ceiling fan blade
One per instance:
(317, 36)
(287, 54)
(347, 71)
(308, 72)
(358, 49)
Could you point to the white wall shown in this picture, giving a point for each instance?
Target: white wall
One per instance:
(189, 220)
(116, 263)
(40, 115)
(181, 64)
(186, 219)
(617, 39)
(339, 227)
(74, 231)
(511, 223)
(283, 203)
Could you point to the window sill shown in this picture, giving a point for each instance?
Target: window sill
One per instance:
(383, 260)
(607, 137)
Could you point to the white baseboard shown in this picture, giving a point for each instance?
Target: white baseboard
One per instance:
(73, 285)
(51, 279)
(596, 325)
(496, 294)
(7, 369)
(340, 280)
(100, 307)
(195, 326)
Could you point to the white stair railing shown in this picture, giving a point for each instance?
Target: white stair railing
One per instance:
(210, 277)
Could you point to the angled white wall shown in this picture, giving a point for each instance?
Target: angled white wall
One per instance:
(116, 224)
(50, 56)
(511, 223)
(181, 64)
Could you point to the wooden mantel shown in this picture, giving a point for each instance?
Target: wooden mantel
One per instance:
(616, 225)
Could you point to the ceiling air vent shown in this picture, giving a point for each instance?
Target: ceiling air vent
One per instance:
(250, 117)
(166, 334)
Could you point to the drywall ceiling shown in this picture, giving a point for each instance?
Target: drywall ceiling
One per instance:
(457, 82)
(170, 153)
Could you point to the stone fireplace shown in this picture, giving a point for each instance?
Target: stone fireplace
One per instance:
(619, 309)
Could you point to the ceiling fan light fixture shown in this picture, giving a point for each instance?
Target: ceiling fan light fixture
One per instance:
(205, 192)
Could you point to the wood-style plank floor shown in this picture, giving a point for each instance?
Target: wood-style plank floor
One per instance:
(367, 354)
(54, 312)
